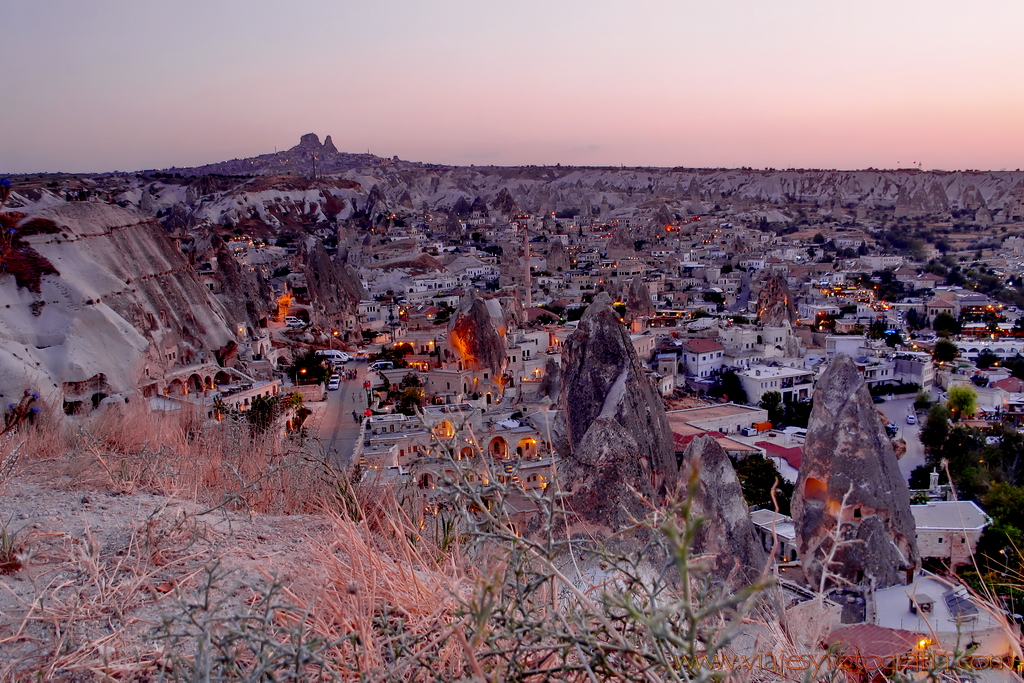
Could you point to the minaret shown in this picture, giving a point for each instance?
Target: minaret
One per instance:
(526, 268)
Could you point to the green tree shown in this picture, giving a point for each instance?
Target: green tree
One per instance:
(729, 386)
(936, 428)
(309, 368)
(945, 351)
(963, 401)
(923, 400)
(757, 475)
(945, 324)
(986, 359)
(772, 402)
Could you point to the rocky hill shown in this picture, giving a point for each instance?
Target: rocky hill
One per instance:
(662, 194)
(123, 297)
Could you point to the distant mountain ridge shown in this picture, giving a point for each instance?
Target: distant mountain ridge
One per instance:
(658, 194)
(300, 159)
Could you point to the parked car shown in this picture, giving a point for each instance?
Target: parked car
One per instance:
(911, 419)
(878, 399)
(292, 321)
(382, 365)
(334, 382)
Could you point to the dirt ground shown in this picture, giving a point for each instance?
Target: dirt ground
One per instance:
(100, 571)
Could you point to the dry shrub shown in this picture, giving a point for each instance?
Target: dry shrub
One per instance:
(130, 449)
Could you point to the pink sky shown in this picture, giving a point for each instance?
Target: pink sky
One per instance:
(126, 85)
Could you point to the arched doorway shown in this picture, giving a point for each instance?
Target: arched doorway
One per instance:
(444, 430)
(176, 388)
(466, 453)
(527, 447)
(498, 448)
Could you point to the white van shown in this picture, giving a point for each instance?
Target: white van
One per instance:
(334, 355)
(292, 321)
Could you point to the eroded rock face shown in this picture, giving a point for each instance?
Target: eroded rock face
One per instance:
(605, 460)
(334, 284)
(638, 299)
(727, 532)
(847, 454)
(774, 303)
(472, 334)
(551, 384)
(558, 258)
(603, 378)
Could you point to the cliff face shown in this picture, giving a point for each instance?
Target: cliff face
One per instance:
(638, 299)
(775, 303)
(727, 532)
(124, 300)
(240, 289)
(847, 455)
(608, 479)
(603, 378)
(334, 286)
(472, 334)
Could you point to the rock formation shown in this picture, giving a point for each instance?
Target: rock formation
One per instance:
(638, 299)
(603, 378)
(557, 259)
(551, 383)
(472, 334)
(774, 303)
(848, 455)
(606, 480)
(727, 532)
(335, 286)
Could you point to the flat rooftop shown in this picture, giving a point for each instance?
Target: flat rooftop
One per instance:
(892, 607)
(784, 527)
(950, 514)
(711, 412)
(767, 371)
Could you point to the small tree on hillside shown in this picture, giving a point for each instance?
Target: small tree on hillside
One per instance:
(772, 402)
(945, 351)
(963, 401)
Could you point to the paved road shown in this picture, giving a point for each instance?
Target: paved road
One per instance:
(333, 423)
(897, 410)
(742, 296)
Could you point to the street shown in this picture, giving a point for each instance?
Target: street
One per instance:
(332, 422)
(897, 410)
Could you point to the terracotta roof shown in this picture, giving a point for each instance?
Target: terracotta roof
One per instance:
(1010, 384)
(702, 345)
(873, 643)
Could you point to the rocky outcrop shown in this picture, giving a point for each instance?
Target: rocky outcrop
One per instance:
(775, 303)
(603, 378)
(849, 478)
(638, 300)
(557, 258)
(727, 532)
(551, 383)
(606, 481)
(240, 289)
(125, 299)
(472, 334)
(335, 287)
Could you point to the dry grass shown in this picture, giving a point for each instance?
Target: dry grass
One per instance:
(171, 548)
(130, 449)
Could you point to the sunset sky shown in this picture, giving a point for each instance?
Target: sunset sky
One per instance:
(126, 85)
